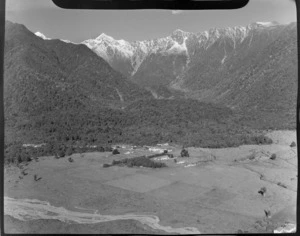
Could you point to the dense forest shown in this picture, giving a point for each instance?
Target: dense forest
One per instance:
(144, 122)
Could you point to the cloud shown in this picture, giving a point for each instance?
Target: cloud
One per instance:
(176, 12)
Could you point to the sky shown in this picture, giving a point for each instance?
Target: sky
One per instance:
(78, 25)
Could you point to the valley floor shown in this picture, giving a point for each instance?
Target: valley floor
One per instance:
(213, 191)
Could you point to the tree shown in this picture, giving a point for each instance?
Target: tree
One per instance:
(69, 151)
(61, 153)
(273, 157)
(115, 162)
(115, 151)
(293, 144)
(101, 149)
(184, 153)
(262, 191)
(108, 149)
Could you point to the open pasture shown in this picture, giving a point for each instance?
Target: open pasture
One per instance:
(218, 194)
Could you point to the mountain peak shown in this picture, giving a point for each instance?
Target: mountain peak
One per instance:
(180, 35)
(105, 37)
(179, 32)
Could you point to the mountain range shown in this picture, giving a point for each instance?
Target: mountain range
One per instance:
(218, 83)
(178, 43)
(228, 66)
(237, 66)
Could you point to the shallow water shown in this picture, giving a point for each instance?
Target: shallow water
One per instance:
(33, 209)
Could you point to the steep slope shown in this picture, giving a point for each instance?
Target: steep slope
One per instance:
(226, 62)
(257, 77)
(50, 84)
(168, 61)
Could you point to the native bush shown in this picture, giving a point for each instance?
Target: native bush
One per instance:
(115, 162)
(60, 153)
(100, 149)
(16, 153)
(261, 139)
(115, 151)
(293, 144)
(108, 149)
(69, 151)
(273, 156)
(184, 153)
(139, 161)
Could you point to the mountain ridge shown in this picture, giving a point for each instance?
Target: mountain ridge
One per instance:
(250, 68)
(136, 51)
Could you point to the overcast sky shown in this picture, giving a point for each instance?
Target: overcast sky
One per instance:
(78, 25)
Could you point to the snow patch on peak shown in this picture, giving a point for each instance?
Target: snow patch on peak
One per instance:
(178, 31)
(263, 24)
(266, 24)
(204, 34)
(122, 42)
(67, 41)
(39, 34)
(177, 48)
(105, 37)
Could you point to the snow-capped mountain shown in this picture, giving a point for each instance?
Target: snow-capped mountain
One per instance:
(209, 65)
(127, 57)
